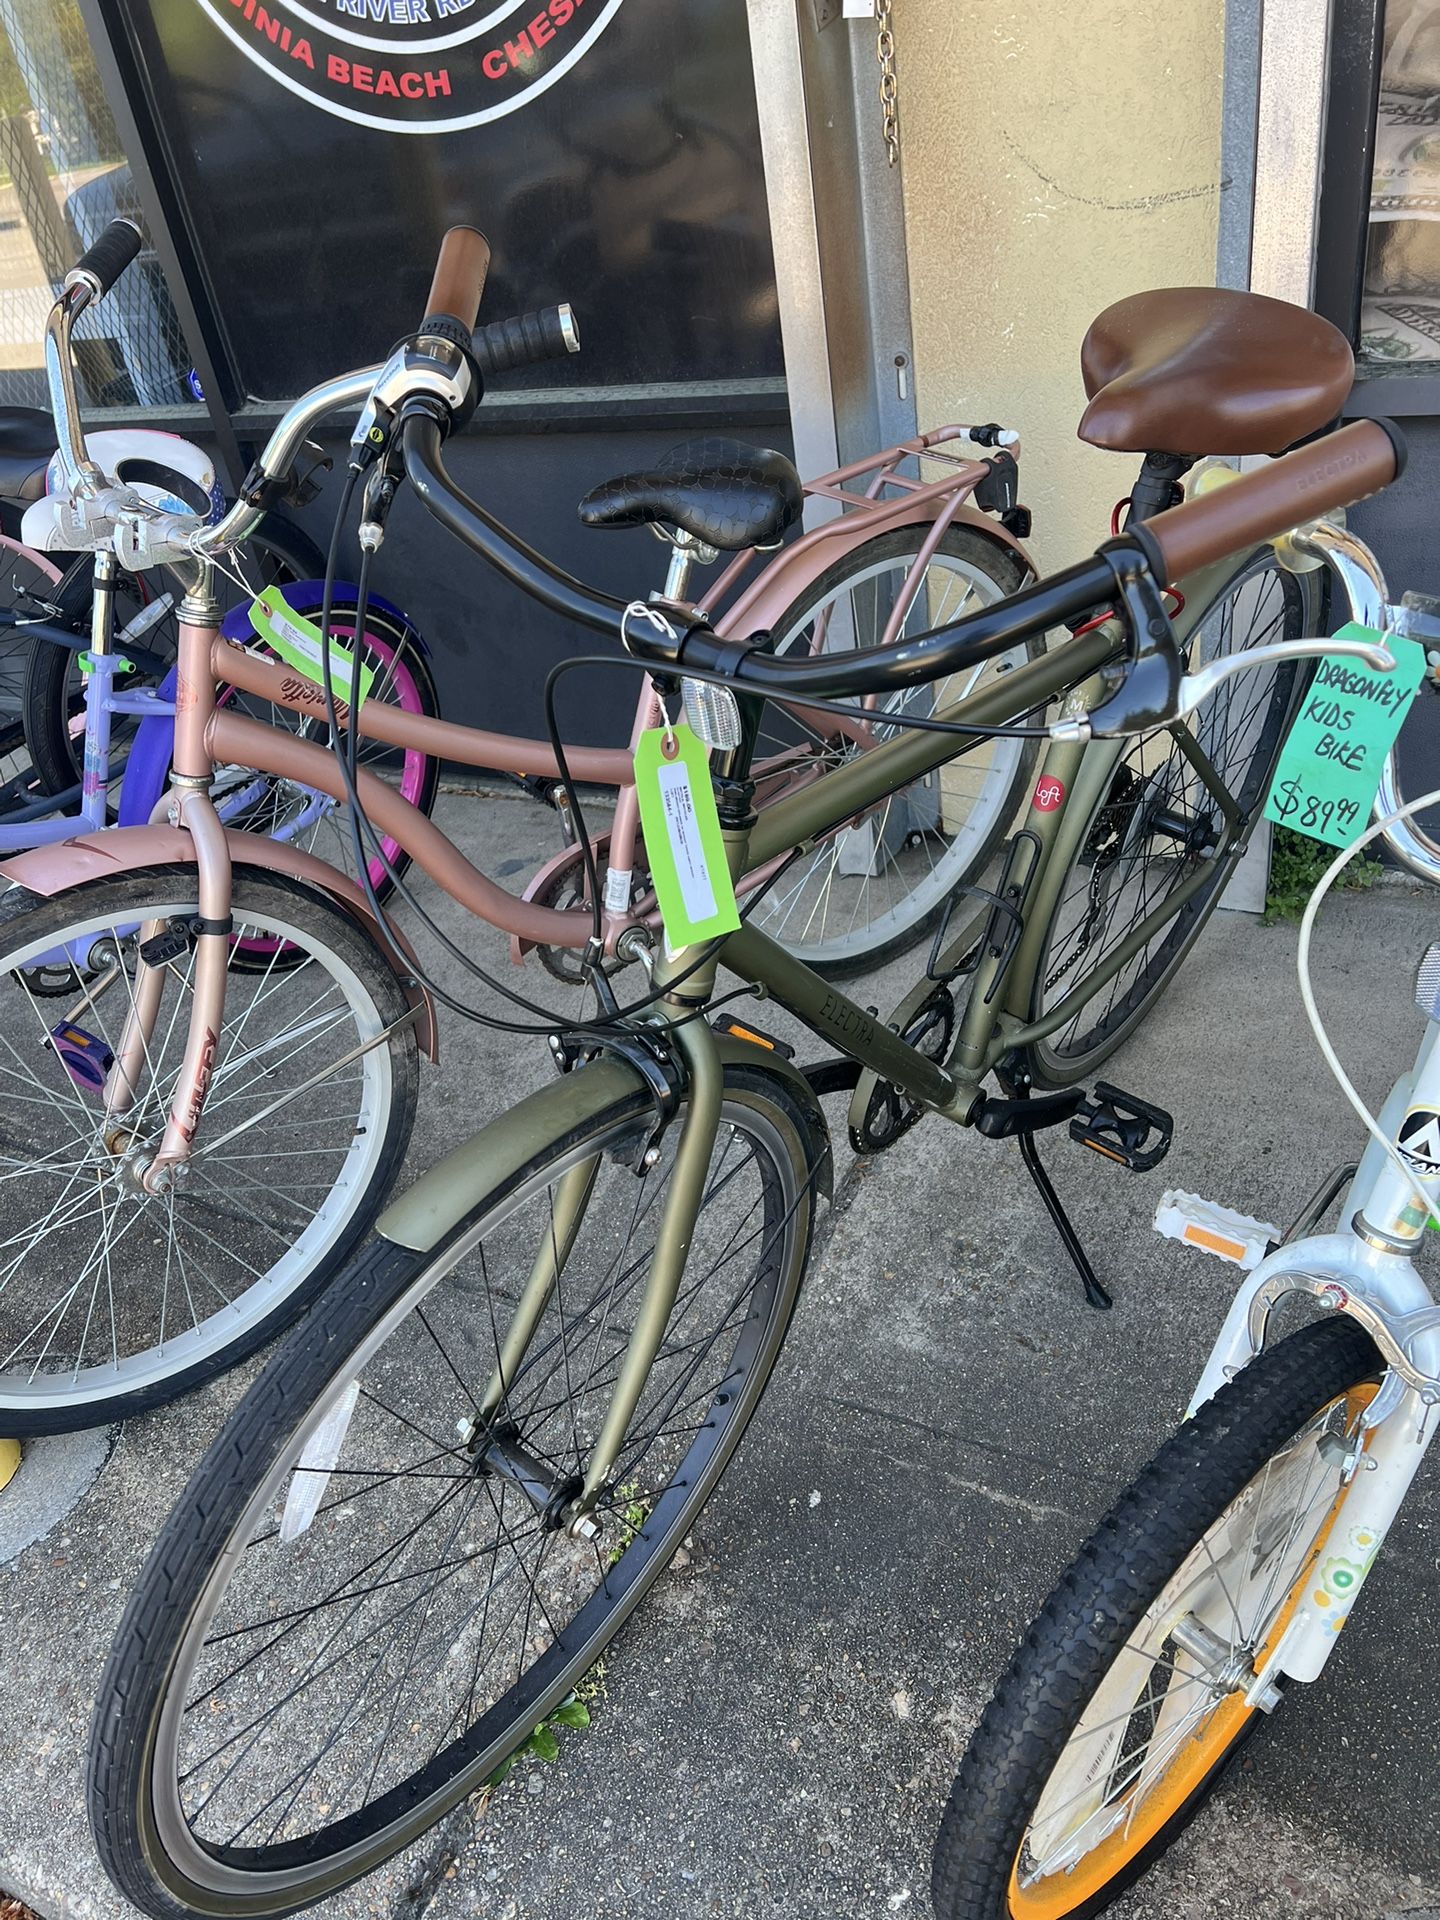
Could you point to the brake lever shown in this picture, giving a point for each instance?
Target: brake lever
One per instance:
(1150, 692)
(1194, 688)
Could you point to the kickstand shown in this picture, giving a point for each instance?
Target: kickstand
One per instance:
(1064, 1226)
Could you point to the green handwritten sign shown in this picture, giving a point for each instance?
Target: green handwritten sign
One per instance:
(1330, 766)
(300, 644)
(683, 843)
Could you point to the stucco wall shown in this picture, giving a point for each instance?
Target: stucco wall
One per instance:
(1056, 157)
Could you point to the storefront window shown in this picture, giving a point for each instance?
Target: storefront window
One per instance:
(610, 151)
(1400, 322)
(63, 178)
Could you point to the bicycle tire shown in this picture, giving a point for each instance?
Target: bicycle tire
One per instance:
(219, 1537)
(1001, 789)
(1122, 840)
(27, 581)
(1090, 1625)
(244, 1253)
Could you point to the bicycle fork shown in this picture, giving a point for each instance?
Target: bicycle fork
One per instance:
(188, 805)
(1365, 1271)
(681, 1208)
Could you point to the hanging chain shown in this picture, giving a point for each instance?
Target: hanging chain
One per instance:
(889, 87)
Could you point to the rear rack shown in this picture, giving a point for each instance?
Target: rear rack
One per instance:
(875, 489)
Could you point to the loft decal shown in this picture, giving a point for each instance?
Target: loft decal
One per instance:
(414, 66)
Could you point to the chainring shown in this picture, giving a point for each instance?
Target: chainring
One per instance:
(888, 1112)
(566, 891)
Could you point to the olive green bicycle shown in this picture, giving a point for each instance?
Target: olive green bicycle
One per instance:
(454, 1482)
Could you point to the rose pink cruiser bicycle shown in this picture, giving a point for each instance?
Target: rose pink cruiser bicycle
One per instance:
(210, 1055)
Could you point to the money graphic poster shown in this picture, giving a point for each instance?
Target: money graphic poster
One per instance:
(1400, 319)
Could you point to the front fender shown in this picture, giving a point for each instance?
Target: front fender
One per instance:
(493, 1161)
(100, 856)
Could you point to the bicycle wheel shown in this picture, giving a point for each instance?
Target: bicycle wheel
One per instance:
(54, 690)
(1157, 822)
(1125, 1703)
(27, 588)
(113, 1299)
(301, 1685)
(874, 889)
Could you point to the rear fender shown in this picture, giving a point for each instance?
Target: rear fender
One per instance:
(492, 1162)
(49, 871)
(795, 569)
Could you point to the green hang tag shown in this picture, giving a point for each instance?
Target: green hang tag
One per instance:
(299, 643)
(1330, 766)
(683, 843)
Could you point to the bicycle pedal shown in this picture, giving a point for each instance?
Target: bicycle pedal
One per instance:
(1123, 1128)
(1205, 1224)
(84, 1056)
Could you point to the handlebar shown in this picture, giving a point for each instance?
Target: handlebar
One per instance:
(459, 282)
(102, 514)
(505, 551)
(1304, 485)
(1126, 572)
(90, 279)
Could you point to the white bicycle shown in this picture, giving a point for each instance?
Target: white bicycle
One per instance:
(1233, 1561)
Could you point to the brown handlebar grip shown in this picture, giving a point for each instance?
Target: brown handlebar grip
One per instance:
(459, 281)
(1304, 485)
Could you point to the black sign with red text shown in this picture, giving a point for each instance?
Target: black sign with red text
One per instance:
(415, 66)
(609, 150)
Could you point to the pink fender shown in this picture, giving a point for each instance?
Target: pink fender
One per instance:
(794, 570)
(48, 871)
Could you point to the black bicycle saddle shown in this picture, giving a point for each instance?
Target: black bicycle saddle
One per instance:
(722, 491)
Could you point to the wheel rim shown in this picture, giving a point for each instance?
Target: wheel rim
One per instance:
(819, 908)
(105, 1290)
(1158, 822)
(443, 1635)
(1142, 1749)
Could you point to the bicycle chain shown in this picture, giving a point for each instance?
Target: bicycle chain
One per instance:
(1103, 863)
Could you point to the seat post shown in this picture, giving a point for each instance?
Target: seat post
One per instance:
(1158, 486)
(685, 550)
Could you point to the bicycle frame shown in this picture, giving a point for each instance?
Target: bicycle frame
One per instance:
(1366, 1271)
(999, 1015)
(186, 823)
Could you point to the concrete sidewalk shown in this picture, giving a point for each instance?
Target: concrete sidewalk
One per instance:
(780, 1723)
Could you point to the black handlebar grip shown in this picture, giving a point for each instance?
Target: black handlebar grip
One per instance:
(111, 254)
(547, 335)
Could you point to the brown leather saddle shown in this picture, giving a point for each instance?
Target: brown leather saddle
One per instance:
(1204, 370)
